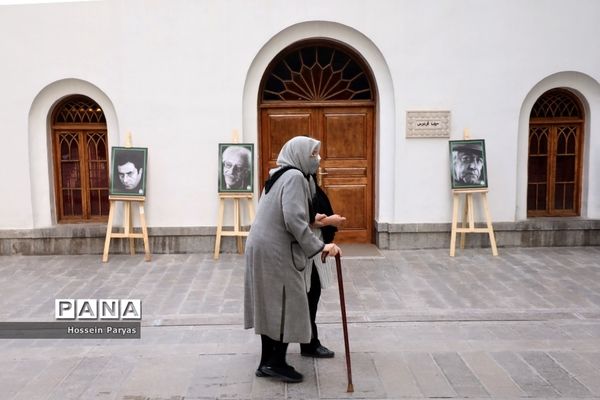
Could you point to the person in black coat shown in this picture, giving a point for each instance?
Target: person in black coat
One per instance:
(328, 222)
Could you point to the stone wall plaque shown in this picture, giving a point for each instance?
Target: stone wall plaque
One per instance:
(428, 124)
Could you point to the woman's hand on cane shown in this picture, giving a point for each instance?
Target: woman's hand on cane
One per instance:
(331, 249)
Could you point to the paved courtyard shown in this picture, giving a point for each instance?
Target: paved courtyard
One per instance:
(525, 324)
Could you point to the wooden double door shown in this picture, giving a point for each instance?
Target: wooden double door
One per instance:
(346, 170)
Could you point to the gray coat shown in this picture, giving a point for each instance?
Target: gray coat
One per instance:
(277, 251)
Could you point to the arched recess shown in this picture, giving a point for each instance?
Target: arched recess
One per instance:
(385, 119)
(40, 141)
(587, 91)
(80, 157)
(323, 89)
(555, 155)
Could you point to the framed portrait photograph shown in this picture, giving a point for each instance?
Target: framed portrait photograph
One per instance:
(128, 166)
(236, 169)
(467, 164)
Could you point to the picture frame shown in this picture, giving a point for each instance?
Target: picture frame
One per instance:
(129, 171)
(236, 168)
(468, 167)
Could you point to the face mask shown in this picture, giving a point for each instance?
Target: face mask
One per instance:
(314, 164)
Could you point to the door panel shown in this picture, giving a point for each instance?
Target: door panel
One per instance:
(277, 127)
(346, 135)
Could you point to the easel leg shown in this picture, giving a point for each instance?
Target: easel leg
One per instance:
(238, 226)
(127, 220)
(471, 211)
(219, 228)
(488, 219)
(111, 215)
(147, 256)
(454, 223)
(465, 218)
(250, 210)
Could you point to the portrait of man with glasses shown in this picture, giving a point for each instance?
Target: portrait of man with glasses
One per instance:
(235, 167)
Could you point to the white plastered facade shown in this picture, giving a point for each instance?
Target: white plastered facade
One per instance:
(182, 75)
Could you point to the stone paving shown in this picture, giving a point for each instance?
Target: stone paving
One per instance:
(525, 324)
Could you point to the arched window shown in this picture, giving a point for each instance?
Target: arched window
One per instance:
(555, 155)
(80, 160)
(316, 73)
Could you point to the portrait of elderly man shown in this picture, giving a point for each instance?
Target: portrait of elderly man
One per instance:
(468, 164)
(236, 168)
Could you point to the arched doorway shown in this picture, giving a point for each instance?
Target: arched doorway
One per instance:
(325, 90)
(80, 153)
(555, 155)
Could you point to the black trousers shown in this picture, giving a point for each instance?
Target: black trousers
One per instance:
(273, 352)
(314, 295)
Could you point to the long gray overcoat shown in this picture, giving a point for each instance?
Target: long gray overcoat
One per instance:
(279, 245)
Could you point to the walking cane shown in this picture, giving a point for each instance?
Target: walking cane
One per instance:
(338, 267)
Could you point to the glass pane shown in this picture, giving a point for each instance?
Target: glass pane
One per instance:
(79, 109)
(559, 196)
(567, 138)
(565, 168)
(67, 202)
(69, 146)
(98, 175)
(531, 197)
(538, 140)
(538, 169)
(99, 203)
(104, 203)
(72, 203)
(556, 103)
(542, 198)
(569, 196)
(572, 143)
(70, 177)
(536, 197)
(77, 203)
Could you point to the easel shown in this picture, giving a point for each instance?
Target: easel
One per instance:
(236, 197)
(237, 231)
(469, 216)
(127, 233)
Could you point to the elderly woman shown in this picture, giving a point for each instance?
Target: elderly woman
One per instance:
(278, 250)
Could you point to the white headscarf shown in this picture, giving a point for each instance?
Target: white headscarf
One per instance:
(296, 152)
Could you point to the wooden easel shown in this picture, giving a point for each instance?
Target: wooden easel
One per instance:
(468, 220)
(128, 232)
(236, 197)
(237, 231)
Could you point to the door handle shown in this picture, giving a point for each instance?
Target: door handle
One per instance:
(320, 176)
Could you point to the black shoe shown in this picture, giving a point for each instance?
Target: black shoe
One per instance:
(285, 373)
(259, 373)
(318, 352)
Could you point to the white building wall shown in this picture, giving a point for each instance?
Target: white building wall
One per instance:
(182, 74)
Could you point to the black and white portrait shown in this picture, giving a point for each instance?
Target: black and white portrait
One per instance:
(235, 167)
(467, 163)
(128, 171)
